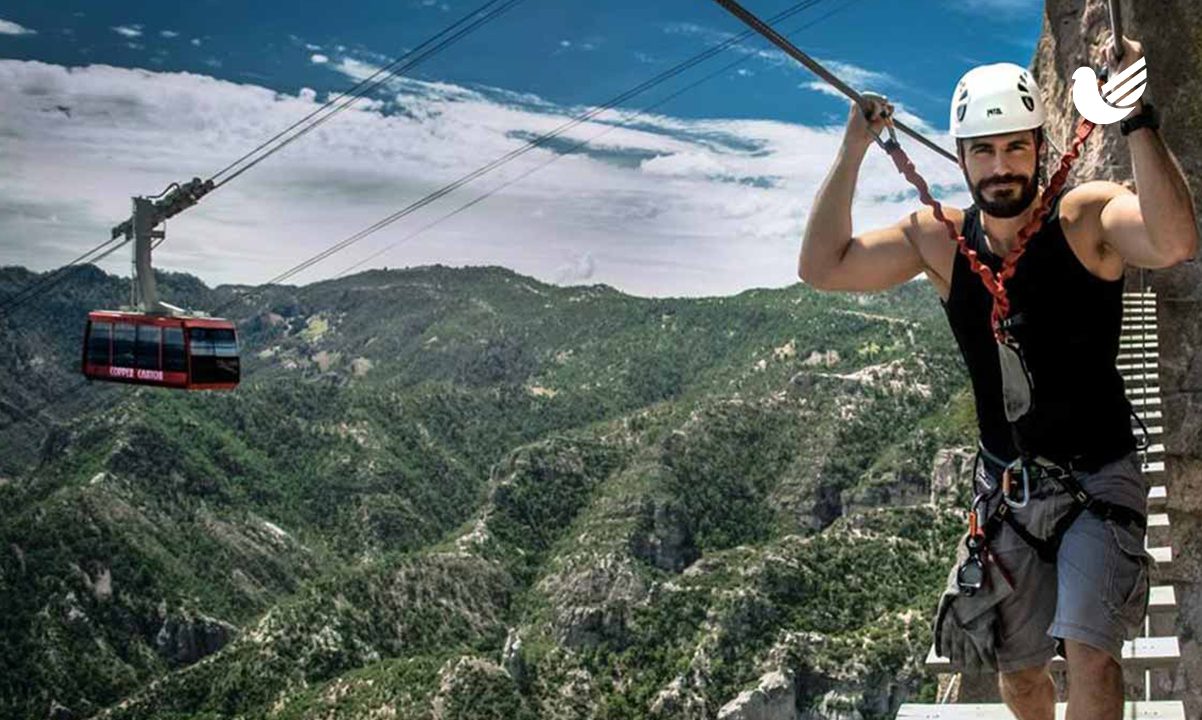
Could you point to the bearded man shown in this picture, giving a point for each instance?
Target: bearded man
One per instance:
(1050, 401)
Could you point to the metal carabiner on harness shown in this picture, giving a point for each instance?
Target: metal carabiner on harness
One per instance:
(1006, 475)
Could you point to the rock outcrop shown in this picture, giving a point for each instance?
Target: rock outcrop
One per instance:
(184, 638)
(774, 698)
(663, 537)
(1075, 33)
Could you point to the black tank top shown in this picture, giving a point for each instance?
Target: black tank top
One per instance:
(1070, 339)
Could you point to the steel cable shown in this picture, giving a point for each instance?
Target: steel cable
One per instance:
(563, 153)
(531, 145)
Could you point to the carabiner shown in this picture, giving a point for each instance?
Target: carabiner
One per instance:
(1006, 475)
(886, 145)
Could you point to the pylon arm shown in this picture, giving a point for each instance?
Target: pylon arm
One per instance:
(148, 214)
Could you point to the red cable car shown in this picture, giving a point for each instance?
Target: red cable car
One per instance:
(192, 353)
(159, 344)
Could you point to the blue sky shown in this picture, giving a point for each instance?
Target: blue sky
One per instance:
(543, 60)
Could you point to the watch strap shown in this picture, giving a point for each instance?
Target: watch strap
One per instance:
(1147, 117)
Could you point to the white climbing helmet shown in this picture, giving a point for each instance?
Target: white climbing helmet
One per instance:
(995, 99)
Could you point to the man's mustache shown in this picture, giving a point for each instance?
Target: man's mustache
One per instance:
(1001, 179)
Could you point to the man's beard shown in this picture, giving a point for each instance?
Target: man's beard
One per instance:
(1008, 205)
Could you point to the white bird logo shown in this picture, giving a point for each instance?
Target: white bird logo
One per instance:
(1117, 97)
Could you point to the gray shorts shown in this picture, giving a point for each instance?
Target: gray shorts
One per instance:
(1097, 590)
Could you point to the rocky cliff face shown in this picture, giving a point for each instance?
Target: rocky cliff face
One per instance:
(1076, 32)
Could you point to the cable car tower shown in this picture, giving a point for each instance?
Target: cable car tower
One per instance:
(153, 342)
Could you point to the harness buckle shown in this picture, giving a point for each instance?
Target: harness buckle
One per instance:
(1007, 474)
(1013, 321)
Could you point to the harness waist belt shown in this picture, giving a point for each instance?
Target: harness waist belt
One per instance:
(1044, 470)
(1086, 464)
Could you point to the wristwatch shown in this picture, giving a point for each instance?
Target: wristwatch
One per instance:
(1147, 117)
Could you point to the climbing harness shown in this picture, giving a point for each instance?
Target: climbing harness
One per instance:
(1040, 470)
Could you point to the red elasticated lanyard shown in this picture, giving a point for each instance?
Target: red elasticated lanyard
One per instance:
(996, 284)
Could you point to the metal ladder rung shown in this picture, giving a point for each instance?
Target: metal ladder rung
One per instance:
(1133, 710)
(1138, 654)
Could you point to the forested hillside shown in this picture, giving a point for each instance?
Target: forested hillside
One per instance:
(447, 492)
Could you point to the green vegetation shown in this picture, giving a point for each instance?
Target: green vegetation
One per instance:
(662, 498)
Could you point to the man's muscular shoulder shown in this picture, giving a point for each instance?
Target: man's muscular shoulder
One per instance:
(1083, 203)
(929, 235)
(1081, 220)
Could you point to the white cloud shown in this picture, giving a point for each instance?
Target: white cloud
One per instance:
(577, 271)
(1009, 10)
(195, 41)
(900, 111)
(856, 76)
(8, 27)
(129, 31)
(311, 46)
(169, 34)
(668, 206)
(991, 6)
(319, 59)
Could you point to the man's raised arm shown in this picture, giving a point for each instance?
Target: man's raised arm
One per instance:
(831, 258)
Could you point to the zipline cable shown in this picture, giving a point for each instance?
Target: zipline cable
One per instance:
(531, 145)
(658, 79)
(564, 153)
(408, 64)
(355, 89)
(428, 48)
(765, 29)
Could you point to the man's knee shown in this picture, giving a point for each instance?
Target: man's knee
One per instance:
(1088, 660)
(1022, 682)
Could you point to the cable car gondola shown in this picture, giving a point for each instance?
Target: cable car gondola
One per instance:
(192, 353)
(159, 344)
